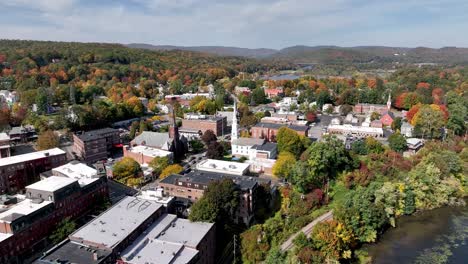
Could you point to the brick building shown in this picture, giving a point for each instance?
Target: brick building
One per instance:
(95, 145)
(25, 223)
(145, 154)
(193, 185)
(136, 231)
(198, 124)
(18, 171)
(269, 131)
(4, 145)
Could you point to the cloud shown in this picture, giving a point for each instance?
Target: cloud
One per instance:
(41, 5)
(245, 23)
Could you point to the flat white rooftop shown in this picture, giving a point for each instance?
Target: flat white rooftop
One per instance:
(24, 207)
(30, 156)
(78, 171)
(167, 240)
(117, 223)
(4, 136)
(51, 184)
(150, 152)
(356, 129)
(228, 167)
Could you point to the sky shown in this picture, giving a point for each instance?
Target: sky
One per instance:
(241, 23)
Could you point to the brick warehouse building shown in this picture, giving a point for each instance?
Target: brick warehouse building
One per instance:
(195, 123)
(269, 131)
(192, 186)
(27, 221)
(95, 145)
(18, 171)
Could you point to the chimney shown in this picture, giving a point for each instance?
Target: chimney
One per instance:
(95, 256)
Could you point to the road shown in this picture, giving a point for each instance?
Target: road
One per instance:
(288, 244)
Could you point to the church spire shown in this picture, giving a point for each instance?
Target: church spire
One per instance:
(389, 102)
(234, 129)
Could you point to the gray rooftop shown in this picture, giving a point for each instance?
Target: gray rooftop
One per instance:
(167, 240)
(116, 224)
(95, 134)
(152, 139)
(278, 126)
(204, 177)
(268, 146)
(247, 141)
(71, 252)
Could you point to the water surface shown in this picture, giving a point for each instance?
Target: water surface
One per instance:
(437, 236)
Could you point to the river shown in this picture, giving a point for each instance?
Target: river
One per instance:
(431, 237)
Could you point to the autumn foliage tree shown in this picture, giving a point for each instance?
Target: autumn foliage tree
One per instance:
(47, 140)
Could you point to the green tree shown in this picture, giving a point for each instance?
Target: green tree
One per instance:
(361, 214)
(359, 147)
(196, 145)
(429, 122)
(62, 230)
(219, 203)
(42, 100)
(374, 146)
(126, 168)
(397, 142)
(396, 124)
(258, 96)
(158, 164)
(289, 141)
(327, 158)
(47, 140)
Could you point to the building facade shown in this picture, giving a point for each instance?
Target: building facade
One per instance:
(201, 123)
(18, 171)
(95, 145)
(144, 154)
(269, 131)
(26, 224)
(4, 145)
(193, 185)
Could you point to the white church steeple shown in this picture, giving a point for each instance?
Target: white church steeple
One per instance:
(389, 102)
(234, 130)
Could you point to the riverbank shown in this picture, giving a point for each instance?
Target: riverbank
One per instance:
(436, 236)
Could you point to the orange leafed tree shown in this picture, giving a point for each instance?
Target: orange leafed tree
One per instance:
(437, 95)
(423, 85)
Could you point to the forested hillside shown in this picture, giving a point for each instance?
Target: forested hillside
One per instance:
(67, 74)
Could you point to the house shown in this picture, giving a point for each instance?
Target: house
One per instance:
(242, 90)
(387, 118)
(406, 129)
(22, 133)
(414, 145)
(274, 92)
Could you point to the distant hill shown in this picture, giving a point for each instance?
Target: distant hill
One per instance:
(334, 54)
(218, 50)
